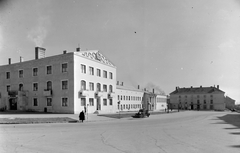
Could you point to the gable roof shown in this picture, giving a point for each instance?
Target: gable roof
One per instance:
(95, 55)
(196, 90)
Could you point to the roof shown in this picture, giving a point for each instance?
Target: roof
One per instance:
(95, 55)
(128, 88)
(197, 90)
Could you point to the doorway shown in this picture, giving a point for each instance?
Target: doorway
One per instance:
(98, 104)
(13, 103)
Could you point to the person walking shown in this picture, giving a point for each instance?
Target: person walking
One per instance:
(81, 116)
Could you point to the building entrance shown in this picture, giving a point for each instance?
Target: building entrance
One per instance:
(13, 103)
(98, 104)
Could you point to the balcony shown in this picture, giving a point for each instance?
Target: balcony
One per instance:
(47, 93)
(13, 93)
(83, 93)
(98, 94)
(111, 95)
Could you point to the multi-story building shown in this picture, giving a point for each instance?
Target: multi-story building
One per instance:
(198, 98)
(230, 103)
(161, 102)
(129, 98)
(66, 83)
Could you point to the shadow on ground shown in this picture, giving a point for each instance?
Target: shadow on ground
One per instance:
(233, 119)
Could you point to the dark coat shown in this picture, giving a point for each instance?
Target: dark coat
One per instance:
(82, 116)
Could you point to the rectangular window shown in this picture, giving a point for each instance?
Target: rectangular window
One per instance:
(35, 102)
(64, 102)
(20, 73)
(35, 86)
(83, 101)
(64, 85)
(105, 74)
(105, 102)
(91, 102)
(8, 88)
(91, 70)
(91, 86)
(110, 75)
(35, 71)
(118, 97)
(64, 67)
(99, 72)
(110, 101)
(7, 75)
(49, 101)
(49, 69)
(83, 68)
(104, 88)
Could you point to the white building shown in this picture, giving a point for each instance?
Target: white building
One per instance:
(161, 102)
(129, 98)
(66, 83)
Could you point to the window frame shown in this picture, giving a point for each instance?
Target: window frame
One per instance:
(47, 102)
(20, 75)
(64, 102)
(64, 69)
(35, 101)
(65, 86)
(35, 88)
(47, 70)
(35, 73)
(8, 75)
(91, 70)
(83, 69)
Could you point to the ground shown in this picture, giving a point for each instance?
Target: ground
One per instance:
(181, 132)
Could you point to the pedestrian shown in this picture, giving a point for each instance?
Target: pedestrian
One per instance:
(81, 116)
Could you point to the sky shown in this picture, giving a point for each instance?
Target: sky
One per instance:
(154, 43)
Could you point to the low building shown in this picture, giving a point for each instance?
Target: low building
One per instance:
(230, 103)
(161, 102)
(198, 98)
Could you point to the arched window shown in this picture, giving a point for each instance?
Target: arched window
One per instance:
(49, 85)
(110, 88)
(20, 87)
(83, 85)
(98, 87)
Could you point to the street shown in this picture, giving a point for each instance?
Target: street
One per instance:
(183, 132)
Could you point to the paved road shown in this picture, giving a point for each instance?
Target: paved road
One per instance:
(183, 132)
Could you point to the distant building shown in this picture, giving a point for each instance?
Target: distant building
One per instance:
(161, 102)
(198, 98)
(230, 103)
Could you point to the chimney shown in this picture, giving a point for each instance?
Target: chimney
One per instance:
(21, 59)
(9, 61)
(138, 86)
(64, 52)
(78, 49)
(218, 86)
(153, 90)
(39, 52)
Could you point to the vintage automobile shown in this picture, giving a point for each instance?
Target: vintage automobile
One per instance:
(141, 114)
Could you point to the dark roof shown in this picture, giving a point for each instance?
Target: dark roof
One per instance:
(197, 90)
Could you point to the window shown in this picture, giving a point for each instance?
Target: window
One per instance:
(204, 101)
(83, 101)
(105, 74)
(110, 101)
(35, 102)
(83, 85)
(105, 102)
(7, 75)
(64, 67)
(20, 88)
(49, 101)
(49, 85)
(110, 88)
(99, 72)
(110, 75)
(91, 102)
(35, 71)
(105, 88)
(64, 85)
(91, 86)
(35, 86)
(98, 87)
(83, 68)
(211, 101)
(64, 102)
(118, 97)
(20, 73)
(91, 70)
(121, 97)
(8, 88)
(49, 69)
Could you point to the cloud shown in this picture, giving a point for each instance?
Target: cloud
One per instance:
(38, 33)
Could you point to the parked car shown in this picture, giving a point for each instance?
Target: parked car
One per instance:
(141, 114)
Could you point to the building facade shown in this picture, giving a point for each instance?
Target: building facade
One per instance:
(161, 102)
(198, 98)
(65, 83)
(230, 103)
